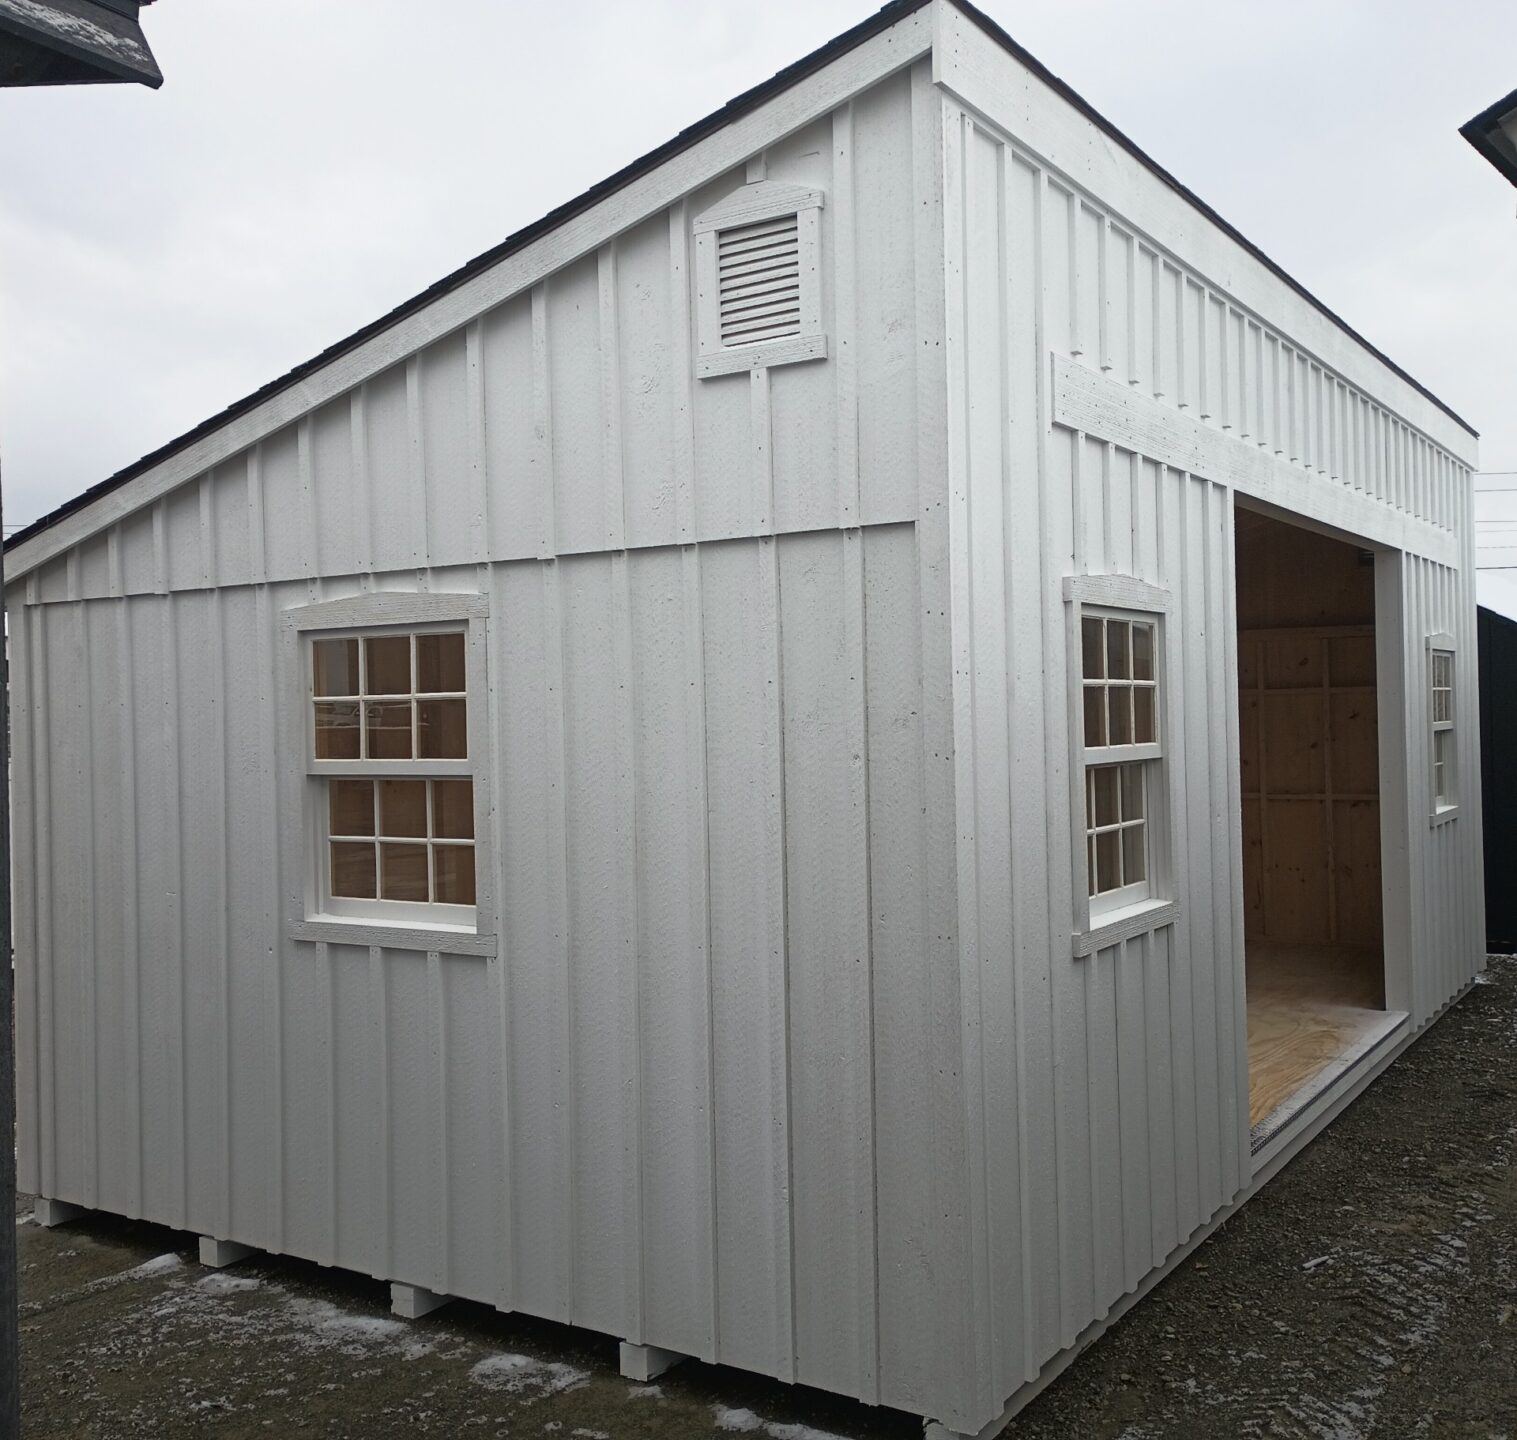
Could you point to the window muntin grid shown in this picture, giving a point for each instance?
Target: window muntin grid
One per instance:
(390, 697)
(1116, 829)
(1119, 679)
(398, 839)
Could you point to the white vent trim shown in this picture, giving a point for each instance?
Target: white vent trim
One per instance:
(758, 279)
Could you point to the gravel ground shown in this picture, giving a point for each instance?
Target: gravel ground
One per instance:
(1369, 1291)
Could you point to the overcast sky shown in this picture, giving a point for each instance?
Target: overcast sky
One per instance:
(311, 163)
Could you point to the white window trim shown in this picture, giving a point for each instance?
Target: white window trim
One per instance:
(761, 200)
(303, 788)
(1440, 812)
(1103, 921)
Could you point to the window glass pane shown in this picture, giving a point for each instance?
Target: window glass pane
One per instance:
(336, 730)
(403, 872)
(1119, 705)
(353, 870)
(1142, 652)
(1440, 706)
(1104, 778)
(1090, 864)
(334, 667)
(1090, 631)
(352, 807)
(439, 663)
(1144, 730)
(441, 729)
(453, 809)
(1134, 862)
(1118, 664)
(389, 727)
(1095, 715)
(389, 665)
(403, 807)
(454, 868)
(1132, 792)
(1108, 861)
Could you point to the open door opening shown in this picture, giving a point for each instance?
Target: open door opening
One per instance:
(1308, 746)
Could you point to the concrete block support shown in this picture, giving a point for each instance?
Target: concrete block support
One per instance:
(645, 1362)
(219, 1253)
(55, 1212)
(411, 1302)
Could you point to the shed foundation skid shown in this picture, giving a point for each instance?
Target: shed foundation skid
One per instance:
(718, 776)
(217, 1254)
(52, 1213)
(646, 1362)
(411, 1302)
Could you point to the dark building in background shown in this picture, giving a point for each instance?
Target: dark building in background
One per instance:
(1498, 780)
(1493, 132)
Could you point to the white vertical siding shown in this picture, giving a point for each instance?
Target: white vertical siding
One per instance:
(1113, 1089)
(707, 1095)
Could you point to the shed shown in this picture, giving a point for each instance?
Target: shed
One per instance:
(820, 762)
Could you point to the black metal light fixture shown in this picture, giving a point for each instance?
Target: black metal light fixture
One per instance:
(74, 42)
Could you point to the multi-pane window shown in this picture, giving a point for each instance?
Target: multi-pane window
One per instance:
(389, 716)
(1441, 675)
(1120, 709)
(1116, 821)
(402, 840)
(1121, 688)
(390, 697)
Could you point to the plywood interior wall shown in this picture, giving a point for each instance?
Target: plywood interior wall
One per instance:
(1308, 737)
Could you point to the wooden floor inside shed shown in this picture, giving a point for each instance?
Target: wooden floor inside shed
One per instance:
(1309, 1006)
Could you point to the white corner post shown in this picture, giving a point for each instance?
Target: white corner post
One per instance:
(646, 1362)
(220, 1253)
(411, 1302)
(55, 1212)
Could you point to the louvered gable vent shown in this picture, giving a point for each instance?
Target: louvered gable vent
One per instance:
(759, 281)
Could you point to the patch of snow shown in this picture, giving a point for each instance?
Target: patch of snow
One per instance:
(521, 1374)
(219, 1284)
(158, 1265)
(798, 1432)
(736, 1419)
(644, 1392)
(746, 1421)
(342, 1326)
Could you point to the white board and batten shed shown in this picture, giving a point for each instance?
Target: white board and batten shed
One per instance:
(706, 959)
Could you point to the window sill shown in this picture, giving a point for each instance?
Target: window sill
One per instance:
(1125, 924)
(1442, 815)
(391, 935)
